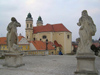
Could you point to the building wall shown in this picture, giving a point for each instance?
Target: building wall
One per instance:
(22, 47)
(39, 23)
(67, 42)
(59, 37)
(32, 47)
(23, 41)
(29, 24)
(29, 30)
(52, 52)
(4, 47)
(39, 36)
(57, 50)
(63, 38)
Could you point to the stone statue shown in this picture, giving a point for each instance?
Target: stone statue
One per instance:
(85, 56)
(12, 34)
(86, 31)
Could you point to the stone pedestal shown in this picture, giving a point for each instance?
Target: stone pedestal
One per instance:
(86, 65)
(13, 59)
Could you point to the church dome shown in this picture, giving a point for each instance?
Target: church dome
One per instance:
(39, 18)
(29, 17)
(39, 21)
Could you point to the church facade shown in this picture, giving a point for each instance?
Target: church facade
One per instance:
(55, 33)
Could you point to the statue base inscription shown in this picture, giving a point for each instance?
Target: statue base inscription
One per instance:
(86, 64)
(13, 60)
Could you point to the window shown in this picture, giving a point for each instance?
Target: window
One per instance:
(68, 36)
(34, 39)
(30, 25)
(44, 36)
(27, 25)
(27, 37)
(40, 39)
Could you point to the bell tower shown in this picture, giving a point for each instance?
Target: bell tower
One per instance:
(29, 27)
(39, 21)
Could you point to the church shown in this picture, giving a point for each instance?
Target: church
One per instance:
(58, 34)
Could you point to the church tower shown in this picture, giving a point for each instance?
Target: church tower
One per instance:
(39, 21)
(29, 27)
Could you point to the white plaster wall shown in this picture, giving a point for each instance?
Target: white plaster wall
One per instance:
(23, 41)
(32, 47)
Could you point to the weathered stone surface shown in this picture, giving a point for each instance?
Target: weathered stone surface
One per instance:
(86, 31)
(46, 65)
(13, 59)
(85, 56)
(86, 65)
(12, 33)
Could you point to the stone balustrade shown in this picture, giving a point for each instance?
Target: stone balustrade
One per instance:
(35, 52)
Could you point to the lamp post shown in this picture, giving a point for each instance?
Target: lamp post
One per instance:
(55, 50)
(46, 51)
(46, 44)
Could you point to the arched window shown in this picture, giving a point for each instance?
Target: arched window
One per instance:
(44, 36)
(27, 37)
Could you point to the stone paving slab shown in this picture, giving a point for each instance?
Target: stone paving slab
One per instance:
(45, 65)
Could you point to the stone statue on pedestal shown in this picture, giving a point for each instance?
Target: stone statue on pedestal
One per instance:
(13, 58)
(85, 56)
(86, 31)
(12, 34)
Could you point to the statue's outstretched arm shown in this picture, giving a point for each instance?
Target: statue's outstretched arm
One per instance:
(79, 23)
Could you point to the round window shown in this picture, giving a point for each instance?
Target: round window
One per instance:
(44, 36)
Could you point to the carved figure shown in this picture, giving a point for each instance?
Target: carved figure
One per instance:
(12, 33)
(86, 31)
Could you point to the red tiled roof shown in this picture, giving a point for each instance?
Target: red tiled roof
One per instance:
(50, 28)
(57, 45)
(40, 45)
(20, 37)
(3, 40)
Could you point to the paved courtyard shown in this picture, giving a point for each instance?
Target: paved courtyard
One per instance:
(45, 65)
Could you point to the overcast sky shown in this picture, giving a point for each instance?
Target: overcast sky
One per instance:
(66, 12)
